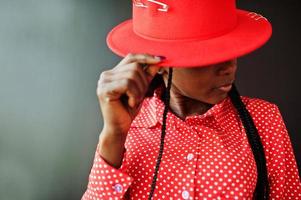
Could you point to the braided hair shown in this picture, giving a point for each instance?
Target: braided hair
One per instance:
(262, 186)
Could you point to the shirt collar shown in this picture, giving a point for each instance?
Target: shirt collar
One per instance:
(152, 110)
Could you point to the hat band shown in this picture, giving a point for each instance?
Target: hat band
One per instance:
(203, 37)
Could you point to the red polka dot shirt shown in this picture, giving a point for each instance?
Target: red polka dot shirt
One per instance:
(205, 156)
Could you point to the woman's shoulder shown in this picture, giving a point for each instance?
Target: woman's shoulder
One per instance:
(261, 108)
(256, 102)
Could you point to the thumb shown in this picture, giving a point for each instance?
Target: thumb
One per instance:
(151, 71)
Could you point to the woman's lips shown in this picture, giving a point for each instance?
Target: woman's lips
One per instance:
(225, 88)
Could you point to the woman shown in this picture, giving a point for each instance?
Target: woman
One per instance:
(175, 127)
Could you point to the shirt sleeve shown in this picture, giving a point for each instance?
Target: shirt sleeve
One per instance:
(106, 181)
(283, 172)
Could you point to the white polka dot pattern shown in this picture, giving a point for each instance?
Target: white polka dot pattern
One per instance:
(205, 156)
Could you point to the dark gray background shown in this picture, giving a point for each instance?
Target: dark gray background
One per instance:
(51, 55)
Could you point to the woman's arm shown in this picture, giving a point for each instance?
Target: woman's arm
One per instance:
(111, 148)
(120, 92)
(282, 167)
(108, 180)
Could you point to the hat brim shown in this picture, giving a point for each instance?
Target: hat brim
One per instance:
(247, 36)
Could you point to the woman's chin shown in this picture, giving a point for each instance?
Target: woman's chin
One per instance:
(217, 99)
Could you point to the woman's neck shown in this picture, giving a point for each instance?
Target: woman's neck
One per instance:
(183, 106)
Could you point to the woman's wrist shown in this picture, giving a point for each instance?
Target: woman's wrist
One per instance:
(111, 148)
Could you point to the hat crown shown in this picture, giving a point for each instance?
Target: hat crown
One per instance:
(183, 19)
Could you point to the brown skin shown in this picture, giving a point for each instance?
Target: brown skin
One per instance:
(121, 90)
(194, 89)
(128, 79)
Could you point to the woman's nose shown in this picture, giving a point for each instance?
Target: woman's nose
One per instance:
(228, 67)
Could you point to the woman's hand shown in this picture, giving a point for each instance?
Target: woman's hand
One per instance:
(121, 90)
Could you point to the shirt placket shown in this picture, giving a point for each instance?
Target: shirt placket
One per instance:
(202, 127)
(188, 160)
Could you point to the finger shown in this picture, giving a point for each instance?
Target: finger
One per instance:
(151, 71)
(133, 76)
(131, 71)
(115, 89)
(138, 71)
(104, 77)
(141, 58)
(132, 101)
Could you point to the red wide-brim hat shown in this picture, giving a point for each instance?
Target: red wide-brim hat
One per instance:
(190, 33)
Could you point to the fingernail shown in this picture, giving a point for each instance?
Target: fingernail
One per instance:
(160, 57)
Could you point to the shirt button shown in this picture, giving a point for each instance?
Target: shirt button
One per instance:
(189, 156)
(118, 188)
(185, 194)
